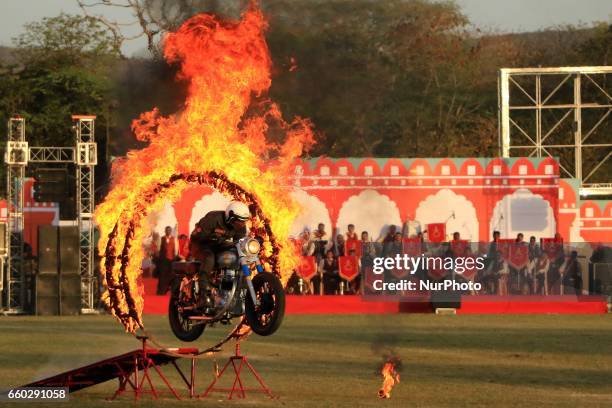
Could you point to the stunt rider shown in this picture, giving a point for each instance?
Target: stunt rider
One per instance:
(214, 230)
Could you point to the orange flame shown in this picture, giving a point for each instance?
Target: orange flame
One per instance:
(226, 63)
(390, 378)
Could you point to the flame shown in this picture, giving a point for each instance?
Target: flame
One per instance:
(213, 141)
(390, 378)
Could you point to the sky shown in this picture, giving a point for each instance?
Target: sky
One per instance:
(499, 15)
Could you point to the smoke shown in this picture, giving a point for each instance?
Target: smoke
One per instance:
(385, 347)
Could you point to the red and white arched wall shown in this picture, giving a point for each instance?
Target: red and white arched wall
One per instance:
(474, 195)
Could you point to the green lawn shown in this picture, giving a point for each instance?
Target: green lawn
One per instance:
(326, 361)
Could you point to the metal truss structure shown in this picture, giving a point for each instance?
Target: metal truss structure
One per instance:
(18, 155)
(16, 160)
(560, 112)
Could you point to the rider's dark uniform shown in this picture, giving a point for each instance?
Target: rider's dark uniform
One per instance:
(209, 233)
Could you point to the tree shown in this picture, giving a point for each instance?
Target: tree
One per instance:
(61, 66)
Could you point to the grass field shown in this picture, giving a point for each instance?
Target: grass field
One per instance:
(326, 361)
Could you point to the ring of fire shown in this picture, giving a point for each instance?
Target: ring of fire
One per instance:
(119, 290)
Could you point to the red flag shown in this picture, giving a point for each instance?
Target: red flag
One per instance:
(503, 246)
(519, 255)
(551, 246)
(470, 273)
(354, 246)
(435, 267)
(369, 277)
(412, 246)
(348, 267)
(307, 268)
(400, 273)
(459, 246)
(436, 232)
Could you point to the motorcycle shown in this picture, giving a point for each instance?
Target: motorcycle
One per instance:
(229, 293)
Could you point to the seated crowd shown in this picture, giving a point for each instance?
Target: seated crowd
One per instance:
(543, 273)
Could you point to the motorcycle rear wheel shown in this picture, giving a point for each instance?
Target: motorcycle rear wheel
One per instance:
(182, 327)
(268, 316)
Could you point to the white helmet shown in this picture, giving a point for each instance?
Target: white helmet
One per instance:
(237, 210)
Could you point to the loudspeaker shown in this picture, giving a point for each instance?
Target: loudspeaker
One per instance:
(47, 295)
(69, 250)
(47, 249)
(443, 299)
(70, 294)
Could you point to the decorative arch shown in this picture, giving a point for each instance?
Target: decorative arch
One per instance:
(165, 217)
(210, 202)
(370, 211)
(526, 212)
(314, 211)
(440, 206)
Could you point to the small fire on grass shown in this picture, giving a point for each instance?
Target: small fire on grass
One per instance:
(390, 377)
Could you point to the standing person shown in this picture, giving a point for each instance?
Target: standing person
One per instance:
(390, 237)
(339, 247)
(534, 249)
(167, 254)
(368, 253)
(542, 264)
(572, 275)
(183, 247)
(329, 271)
(350, 234)
(307, 244)
(322, 241)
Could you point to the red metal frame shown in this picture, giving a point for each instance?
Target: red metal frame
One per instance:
(237, 386)
(143, 361)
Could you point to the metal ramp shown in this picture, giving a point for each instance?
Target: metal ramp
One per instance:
(132, 369)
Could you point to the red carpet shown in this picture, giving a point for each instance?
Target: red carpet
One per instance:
(474, 305)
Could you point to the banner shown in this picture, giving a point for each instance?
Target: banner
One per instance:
(353, 247)
(412, 246)
(436, 268)
(470, 273)
(307, 268)
(348, 267)
(551, 247)
(436, 232)
(459, 246)
(369, 277)
(519, 255)
(503, 246)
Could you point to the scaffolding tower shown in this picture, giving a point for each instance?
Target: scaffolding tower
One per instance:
(561, 112)
(18, 155)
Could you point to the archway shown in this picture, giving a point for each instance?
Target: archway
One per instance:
(369, 211)
(458, 212)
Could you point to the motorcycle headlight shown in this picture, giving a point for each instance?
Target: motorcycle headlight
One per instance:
(252, 246)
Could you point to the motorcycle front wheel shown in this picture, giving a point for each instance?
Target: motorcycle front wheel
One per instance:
(267, 317)
(183, 328)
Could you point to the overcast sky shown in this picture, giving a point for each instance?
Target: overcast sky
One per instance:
(502, 15)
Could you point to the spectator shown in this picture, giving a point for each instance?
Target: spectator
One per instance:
(307, 244)
(572, 275)
(339, 246)
(167, 253)
(328, 270)
(411, 228)
(350, 234)
(542, 264)
(519, 238)
(183, 247)
(394, 247)
(322, 242)
(390, 235)
(534, 249)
